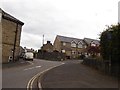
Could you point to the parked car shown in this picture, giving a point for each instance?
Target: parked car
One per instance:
(28, 56)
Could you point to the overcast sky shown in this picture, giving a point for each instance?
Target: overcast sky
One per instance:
(74, 18)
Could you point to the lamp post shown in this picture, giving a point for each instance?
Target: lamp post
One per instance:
(109, 37)
(76, 50)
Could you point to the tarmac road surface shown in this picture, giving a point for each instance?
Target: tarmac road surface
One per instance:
(73, 74)
(17, 75)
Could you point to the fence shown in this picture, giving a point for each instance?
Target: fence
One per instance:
(102, 65)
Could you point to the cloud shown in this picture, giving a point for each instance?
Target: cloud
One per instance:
(76, 18)
(31, 40)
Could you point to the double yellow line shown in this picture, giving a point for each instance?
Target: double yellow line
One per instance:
(31, 81)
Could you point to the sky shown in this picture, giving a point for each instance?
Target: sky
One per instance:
(72, 18)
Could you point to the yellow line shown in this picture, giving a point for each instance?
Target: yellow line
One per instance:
(31, 81)
(34, 79)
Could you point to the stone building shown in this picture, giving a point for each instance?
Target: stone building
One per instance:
(92, 42)
(72, 47)
(11, 33)
(92, 45)
(47, 47)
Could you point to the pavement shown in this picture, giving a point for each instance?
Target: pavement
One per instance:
(73, 74)
(18, 63)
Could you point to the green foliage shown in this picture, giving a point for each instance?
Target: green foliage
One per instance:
(110, 43)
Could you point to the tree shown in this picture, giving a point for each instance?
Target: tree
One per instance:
(94, 50)
(110, 42)
(110, 47)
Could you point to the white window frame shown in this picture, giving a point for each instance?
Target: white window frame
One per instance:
(73, 52)
(63, 51)
(64, 43)
(93, 44)
(73, 44)
(80, 44)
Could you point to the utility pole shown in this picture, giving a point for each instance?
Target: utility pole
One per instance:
(43, 40)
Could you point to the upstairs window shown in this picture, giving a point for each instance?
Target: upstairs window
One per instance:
(64, 43)
(85, 46)
(80, 46)
(73, 44)
(93, 43)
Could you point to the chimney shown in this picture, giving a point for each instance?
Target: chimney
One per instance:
(48, 42)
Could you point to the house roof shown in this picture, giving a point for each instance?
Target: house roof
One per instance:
(69, 39)
(89, 40)
(9, 17)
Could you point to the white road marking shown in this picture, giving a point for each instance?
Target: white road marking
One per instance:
(32, 68)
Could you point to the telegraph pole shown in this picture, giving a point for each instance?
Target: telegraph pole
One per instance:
(43, 40)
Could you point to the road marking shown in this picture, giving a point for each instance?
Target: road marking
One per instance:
(63, 63)
(32, 68)
(39, 84)
(31, 81)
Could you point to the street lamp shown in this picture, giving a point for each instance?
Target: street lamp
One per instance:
(109, 37)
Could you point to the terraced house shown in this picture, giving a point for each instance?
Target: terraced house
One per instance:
(11, 33)
(72, 47)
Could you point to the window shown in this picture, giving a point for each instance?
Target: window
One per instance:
(73, 52)
(63, 51)
(93, 44)
(64, 43)
(73, 44)
(80, 45)
(85, 46)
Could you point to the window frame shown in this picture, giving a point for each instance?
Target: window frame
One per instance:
(73, 44)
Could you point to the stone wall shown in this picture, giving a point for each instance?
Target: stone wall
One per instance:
(0, 38)
(8, 39)
(55, 56)
(57, 45)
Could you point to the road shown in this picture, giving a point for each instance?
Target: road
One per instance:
(19, 76)
(73, 74)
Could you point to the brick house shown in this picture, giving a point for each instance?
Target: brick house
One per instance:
(11, 33)
(72, 47)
